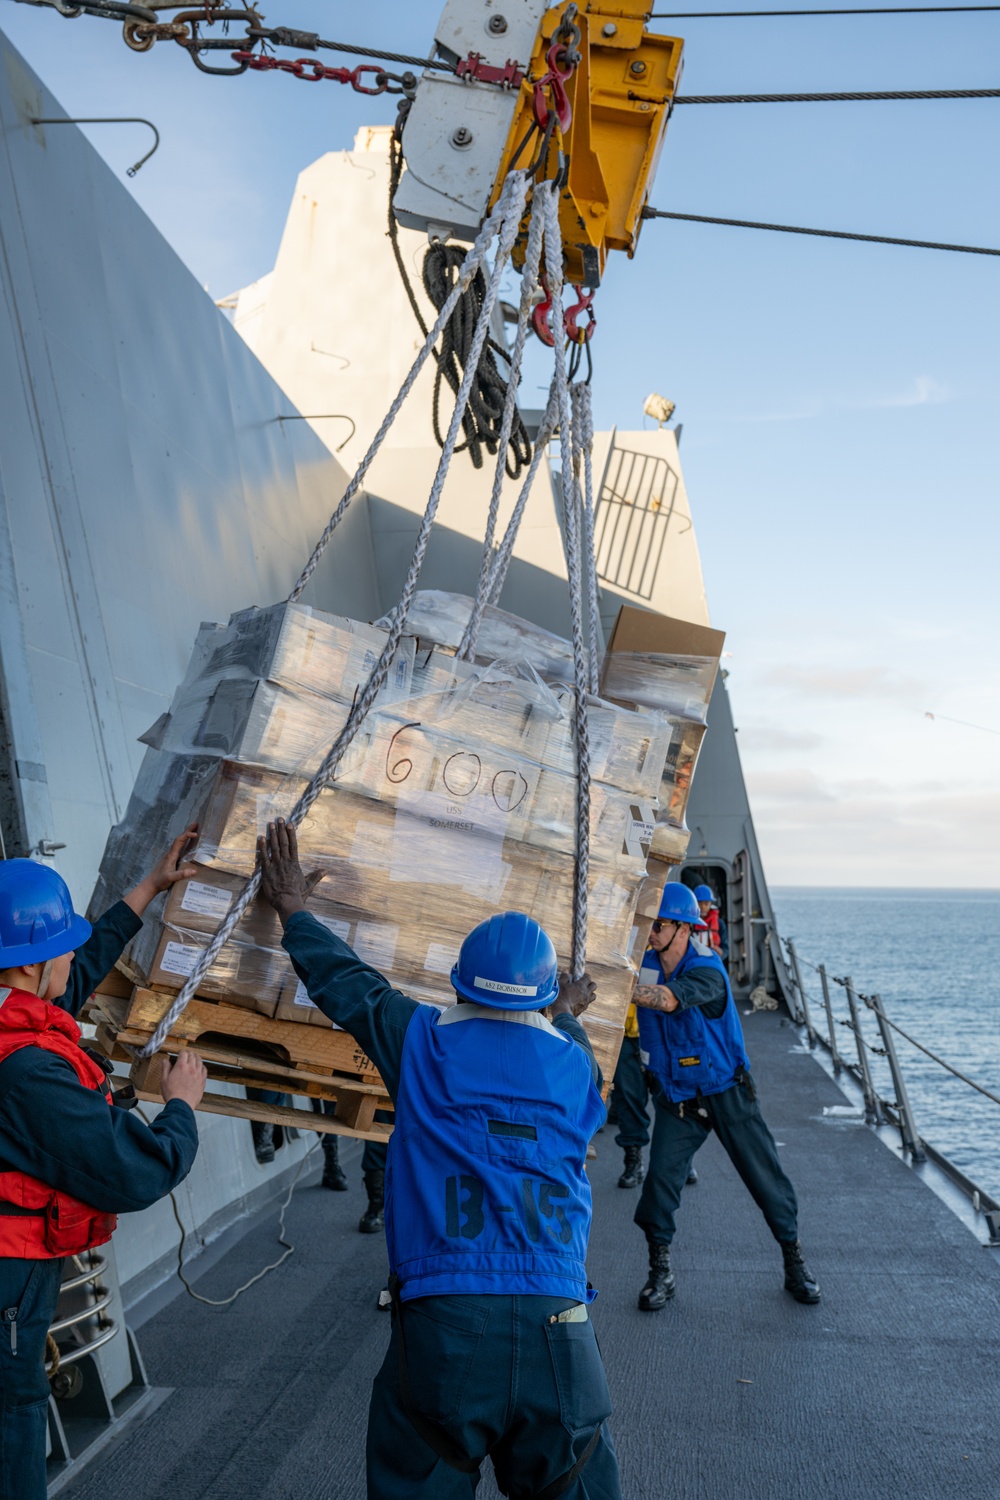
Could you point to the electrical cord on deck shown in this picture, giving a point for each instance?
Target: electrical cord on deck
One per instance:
(289, 1247)
(829, 234)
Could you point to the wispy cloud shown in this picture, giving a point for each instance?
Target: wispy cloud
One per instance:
(857, 832)
(856, 682)
(766, 737)
(924, 390)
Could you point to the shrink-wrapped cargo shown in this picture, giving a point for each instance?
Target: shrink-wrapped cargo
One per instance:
(456, 799)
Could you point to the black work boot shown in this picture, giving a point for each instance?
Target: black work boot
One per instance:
(634, 1171)
(373, 1219)
(333, 1177)
(660, 1285)
(799, 1280)
(692, 1177)
(263, 1141)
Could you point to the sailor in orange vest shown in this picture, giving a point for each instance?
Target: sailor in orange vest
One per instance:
(69, 1160)
(717, 937)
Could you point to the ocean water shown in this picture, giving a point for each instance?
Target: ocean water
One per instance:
(934, 957)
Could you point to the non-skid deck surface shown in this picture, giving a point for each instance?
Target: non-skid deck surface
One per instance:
(891, 1387)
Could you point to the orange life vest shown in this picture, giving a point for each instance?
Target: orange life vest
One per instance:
(53, 1224)
(714, 935)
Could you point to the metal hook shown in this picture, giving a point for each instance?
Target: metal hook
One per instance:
(113, 120)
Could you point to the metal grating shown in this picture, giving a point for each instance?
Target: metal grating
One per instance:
(634, 510)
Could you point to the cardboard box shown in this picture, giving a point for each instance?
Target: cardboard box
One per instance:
(436, 872)
(294, 1005)
(661, 663)
(243, 974)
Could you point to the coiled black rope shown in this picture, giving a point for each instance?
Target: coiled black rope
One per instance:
(484, 413)
(481, 423)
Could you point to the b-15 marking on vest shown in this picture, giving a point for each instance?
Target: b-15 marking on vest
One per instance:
(465, 1219)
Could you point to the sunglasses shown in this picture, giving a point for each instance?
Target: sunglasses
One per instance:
(659, 925)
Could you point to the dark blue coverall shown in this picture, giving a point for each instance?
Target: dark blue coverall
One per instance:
(632, 1092)
(66, 1135)
(480, 1366)
(734, 1115)
(631, 1096)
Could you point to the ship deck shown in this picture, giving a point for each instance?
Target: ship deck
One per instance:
(890, 1387)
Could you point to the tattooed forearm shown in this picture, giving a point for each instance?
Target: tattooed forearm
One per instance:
(655, 997)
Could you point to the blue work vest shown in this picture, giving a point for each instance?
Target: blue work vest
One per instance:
(485, 1183)
(689, 1054)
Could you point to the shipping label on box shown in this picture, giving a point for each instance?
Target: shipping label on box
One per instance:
(294, 1004)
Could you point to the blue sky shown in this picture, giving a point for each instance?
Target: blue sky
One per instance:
(839, 401)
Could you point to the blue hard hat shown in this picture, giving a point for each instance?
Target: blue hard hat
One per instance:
(37, 920)
(704, 893)
(508, 962)
(679, 904)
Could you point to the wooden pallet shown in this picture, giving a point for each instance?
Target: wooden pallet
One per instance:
(238, 1046)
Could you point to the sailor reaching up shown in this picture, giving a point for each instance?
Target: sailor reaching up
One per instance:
(487, 1209)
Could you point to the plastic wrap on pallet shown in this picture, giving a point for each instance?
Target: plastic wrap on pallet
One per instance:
(443, 873)
(677, 685)
(605, 1038)
(678, 771)
(168, 795)
(438, 616)
(266, 724)
(299, 647)
(253, 968)
(244, 973)
(447, 782)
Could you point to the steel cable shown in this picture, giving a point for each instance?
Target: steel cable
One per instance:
(880, 10)
(853, 98)
(828, 234)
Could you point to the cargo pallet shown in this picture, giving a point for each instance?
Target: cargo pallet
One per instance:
(241, 1047)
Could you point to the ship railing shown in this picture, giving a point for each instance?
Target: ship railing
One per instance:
(876, 1063)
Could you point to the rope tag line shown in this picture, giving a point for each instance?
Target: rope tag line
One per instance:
(583, 449)
(582, 667)
(504, 220)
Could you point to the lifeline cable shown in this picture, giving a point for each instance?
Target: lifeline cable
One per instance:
(867, 1000)
(828, 234)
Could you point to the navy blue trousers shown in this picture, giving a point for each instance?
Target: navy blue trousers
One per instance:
(29, 1292)
(501, 1380)
(631, 1096)
(736, 1119)
(374, 1154)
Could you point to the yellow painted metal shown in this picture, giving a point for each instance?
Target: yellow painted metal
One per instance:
(621, 94)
